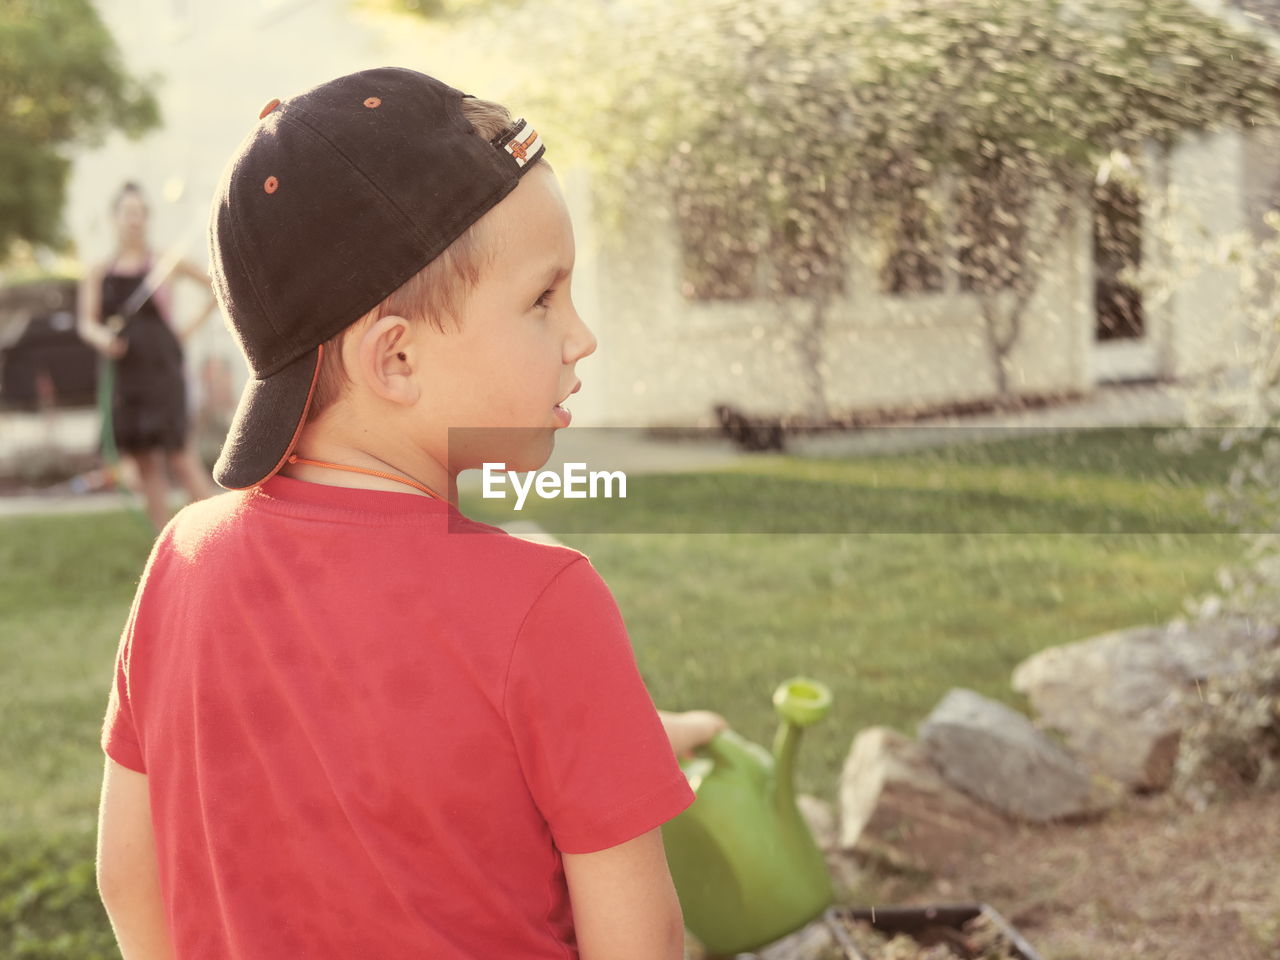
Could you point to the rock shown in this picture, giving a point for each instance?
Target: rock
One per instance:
(848, 874)
(997, 756)
(895, 806)
(1112, 698)
(821, 818)
(1116, 698)
(1210, 649)
(813, 942)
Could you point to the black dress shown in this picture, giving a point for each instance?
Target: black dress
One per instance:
(149, 405)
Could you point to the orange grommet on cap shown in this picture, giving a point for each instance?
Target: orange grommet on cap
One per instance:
(373, 102)
(268, 108)
(271, 185)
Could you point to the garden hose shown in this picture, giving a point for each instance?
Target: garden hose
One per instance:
(106, 407)
(107, 435)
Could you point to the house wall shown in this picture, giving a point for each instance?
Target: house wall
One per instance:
(1206, 209)
(880, 350)
(1261, 197)
(1261, 157)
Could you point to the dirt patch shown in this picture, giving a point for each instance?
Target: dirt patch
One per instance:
(1154, 879)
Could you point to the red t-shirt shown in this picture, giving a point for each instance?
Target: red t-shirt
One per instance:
(367, 734)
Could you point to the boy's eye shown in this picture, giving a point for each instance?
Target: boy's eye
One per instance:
(545, 299)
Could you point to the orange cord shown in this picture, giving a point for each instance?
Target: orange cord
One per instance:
(294, 458)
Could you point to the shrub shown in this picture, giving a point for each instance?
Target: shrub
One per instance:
(1232, 741)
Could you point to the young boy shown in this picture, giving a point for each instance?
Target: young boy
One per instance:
(347, 721)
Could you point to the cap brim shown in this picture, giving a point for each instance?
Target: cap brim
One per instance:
(267, 423)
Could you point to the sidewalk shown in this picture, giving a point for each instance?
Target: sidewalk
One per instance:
(621, 449)
(631, 451)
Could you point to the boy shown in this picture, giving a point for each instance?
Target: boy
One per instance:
(347, 721)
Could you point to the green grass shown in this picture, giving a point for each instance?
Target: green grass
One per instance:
(890, 620)
(65, 588)
(1098, 481)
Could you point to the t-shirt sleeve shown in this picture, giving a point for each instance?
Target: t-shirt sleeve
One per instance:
(119, 735)
(594, 753)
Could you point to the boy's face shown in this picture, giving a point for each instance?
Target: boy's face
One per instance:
(511, 360)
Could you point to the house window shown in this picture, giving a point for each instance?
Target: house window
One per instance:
(719, 251)
(916, 244)
(807, 255)
(1117, 256)
(975, 232)
(991, 216)
(727, 256)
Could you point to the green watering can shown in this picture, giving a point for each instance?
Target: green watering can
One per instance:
(744, 863)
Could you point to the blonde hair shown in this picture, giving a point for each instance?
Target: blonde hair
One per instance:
(431, 295)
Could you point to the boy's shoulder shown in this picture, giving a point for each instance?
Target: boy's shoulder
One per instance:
(520, 551)
(522, 546)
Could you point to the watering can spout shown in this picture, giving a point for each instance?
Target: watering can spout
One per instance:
(799, 702)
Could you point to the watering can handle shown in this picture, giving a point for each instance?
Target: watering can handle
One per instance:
(799, 702)
(729, 749)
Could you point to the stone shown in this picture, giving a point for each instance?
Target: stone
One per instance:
(1214, 648)
(812, 942)
(896, 807)
(996, 756)
(1118, 699)
(849, 874)
(1112, 699)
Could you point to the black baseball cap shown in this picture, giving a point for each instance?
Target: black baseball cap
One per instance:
(336, 198)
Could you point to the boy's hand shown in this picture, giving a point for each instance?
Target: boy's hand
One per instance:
(689, 730)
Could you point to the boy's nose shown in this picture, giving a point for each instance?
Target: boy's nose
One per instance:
(582, 342)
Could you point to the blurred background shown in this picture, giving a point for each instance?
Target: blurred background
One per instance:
(853, 208)
(806, 229)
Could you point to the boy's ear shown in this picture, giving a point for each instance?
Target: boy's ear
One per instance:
(385, 359)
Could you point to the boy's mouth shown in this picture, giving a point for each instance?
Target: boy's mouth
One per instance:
(562, 414)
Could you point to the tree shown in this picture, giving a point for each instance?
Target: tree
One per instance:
(442, 9)
(799, 121)
(62, 84)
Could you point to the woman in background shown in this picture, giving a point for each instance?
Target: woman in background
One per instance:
(149, 404)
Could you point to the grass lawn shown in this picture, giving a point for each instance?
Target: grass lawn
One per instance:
(890, 620)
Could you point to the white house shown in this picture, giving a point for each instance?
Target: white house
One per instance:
(887, 349)
(666, 357)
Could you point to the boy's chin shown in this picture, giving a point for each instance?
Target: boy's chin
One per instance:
(533, 455)
(520, 448)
